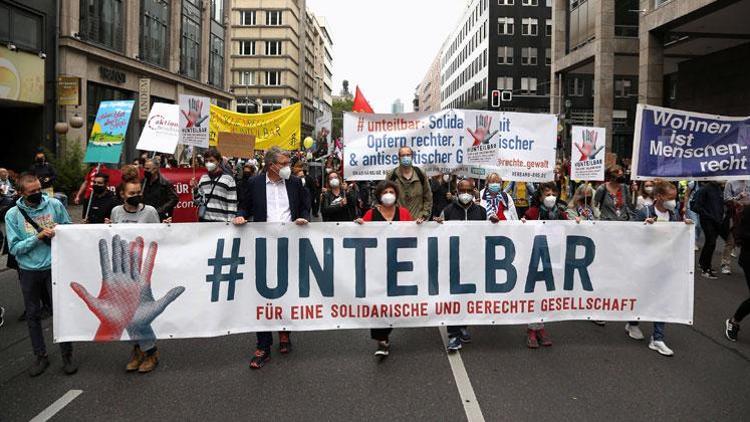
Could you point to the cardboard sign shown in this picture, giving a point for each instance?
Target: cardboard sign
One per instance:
(237, 145)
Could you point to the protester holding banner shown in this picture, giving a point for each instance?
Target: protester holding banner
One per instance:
(158, 191)
(645, 195)
(498, 204)
(145, 356)
(708, 203)
(612, 198)
(339, 200)
(101, 203)
(664, 209)
(274, 196)
(415, 194)
(742, 239)
(735, 191)
(216, 192)
(31, 227)
(580, 208)
(387, 209)
(463, 210)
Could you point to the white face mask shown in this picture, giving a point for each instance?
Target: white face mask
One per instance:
(446, 178)
(210, 166)
(465, 198)
(388, 199)
(335, 183)
(285, 172)
(550, 201)
(670, 205)
(303, 181)
(648, 189)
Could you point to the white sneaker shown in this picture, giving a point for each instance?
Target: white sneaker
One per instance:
(634, 332)
(660, 347)
(726, 270)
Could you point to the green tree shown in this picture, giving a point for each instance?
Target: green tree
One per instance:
(69, 167)
(339, 108)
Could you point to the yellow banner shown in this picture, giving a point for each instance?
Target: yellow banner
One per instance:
(279, 128)
(21, 77)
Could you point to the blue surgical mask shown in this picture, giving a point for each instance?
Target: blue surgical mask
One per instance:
(494, 187)
(406, 161)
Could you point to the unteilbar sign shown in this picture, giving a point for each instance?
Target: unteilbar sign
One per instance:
(205, 280)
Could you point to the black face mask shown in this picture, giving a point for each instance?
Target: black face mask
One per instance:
(34, 198)
(622, 179)
(98, 189)
(134, 201)
(40, 160)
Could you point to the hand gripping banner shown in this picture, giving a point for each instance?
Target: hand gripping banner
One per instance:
(140, 282)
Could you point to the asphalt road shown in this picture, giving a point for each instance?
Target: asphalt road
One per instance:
(591, 373)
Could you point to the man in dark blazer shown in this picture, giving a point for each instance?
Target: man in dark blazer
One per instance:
(273, 196)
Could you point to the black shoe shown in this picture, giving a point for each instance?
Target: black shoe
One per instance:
(731, 330)
(384, 349)
(709, 274)
(69, 367)
(22, 317)
(39, 366)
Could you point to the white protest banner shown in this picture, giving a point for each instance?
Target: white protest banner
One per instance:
(205, 280)
(162, 129)
(195, 115)
(518, 146)
(588, 157)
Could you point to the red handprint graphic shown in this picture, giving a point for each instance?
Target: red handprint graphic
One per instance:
(482, 134)
(193, 115)
(125, 299)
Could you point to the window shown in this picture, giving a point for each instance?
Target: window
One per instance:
(247, 18)
(5, 23)
(548, 56)
(273, 78)
(154, 32)
(247, 48)
(529, 26)
(273, 18)
(217, 10)
(575, 87)
(505, 83)
(273, 48)
(548, 3)
(190, 56)
(530, 2)
(505, 2)
(246, 78)
(102, 22)
(27, 29)
(623, 88)
(505, 55)
(505, 26)
(528, 86)
(271, 105)
(549, 27)
(216, 61)
(528, 56)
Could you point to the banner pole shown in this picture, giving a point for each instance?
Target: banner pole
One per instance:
(91, 197)
(193, 165)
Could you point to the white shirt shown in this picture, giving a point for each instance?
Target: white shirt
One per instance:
(661, 216)
(277, 202)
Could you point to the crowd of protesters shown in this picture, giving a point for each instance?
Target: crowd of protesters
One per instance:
(294, 187)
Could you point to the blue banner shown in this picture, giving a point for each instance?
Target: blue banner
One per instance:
(677, 145)
(108, 133)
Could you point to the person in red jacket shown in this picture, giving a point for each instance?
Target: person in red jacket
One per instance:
(387, 209)
(546, 206)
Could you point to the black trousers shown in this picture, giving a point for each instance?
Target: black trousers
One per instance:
(711, 232)
(35, 285)
(265, 340)
(380, 334)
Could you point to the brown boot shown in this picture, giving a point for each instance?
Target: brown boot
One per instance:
(149, 363)
(136, 358)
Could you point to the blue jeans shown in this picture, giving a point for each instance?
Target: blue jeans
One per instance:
(658, 334)
(697, 220)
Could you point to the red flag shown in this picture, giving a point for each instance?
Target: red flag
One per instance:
(360, 103)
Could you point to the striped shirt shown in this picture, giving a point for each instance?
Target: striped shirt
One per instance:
(221, 205)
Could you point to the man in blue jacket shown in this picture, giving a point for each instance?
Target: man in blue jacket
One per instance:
(274, 196)
(31, 227)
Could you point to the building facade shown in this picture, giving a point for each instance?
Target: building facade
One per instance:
(28, 60)
(428, 92)
(498, 45)
(609, 56)
(143, 50)
(280, 54)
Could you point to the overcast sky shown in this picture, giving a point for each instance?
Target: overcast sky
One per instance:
(386, 46)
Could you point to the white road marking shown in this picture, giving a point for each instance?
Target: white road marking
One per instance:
(465, 390)
(57, 406)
